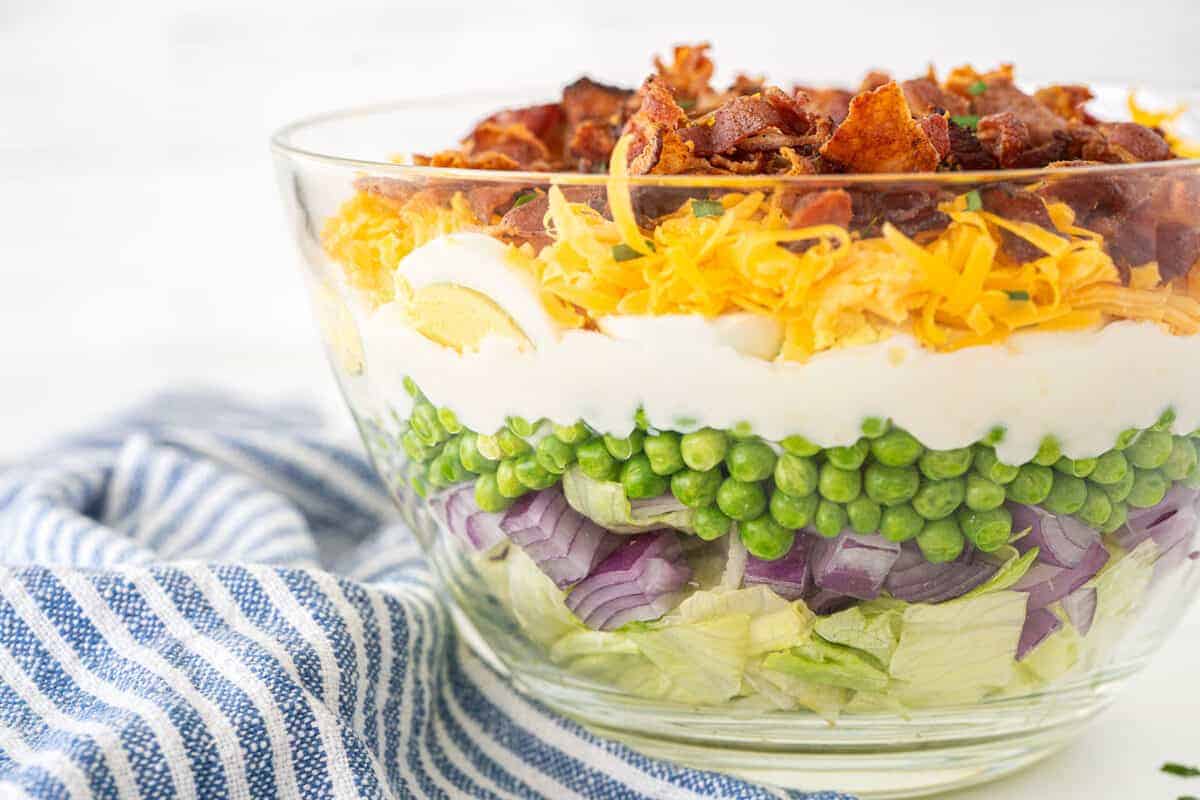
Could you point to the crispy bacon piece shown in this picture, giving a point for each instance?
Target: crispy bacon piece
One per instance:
(742, 119)
(591, 144)
(1176, 248)
(525, 223)
(546, 122)
(880, 135)
(826, 207)
(937, 129)
(966, 151)
(912, 210)
(514, 140)
(586, 99)
(832, 103)
(689, 72)
(1004, 136)
(1066, 100)
(1125, 143)
(1017, 205)
(1001, 96)
(657, 146)
(873, 80)
(457, 159)
(924, 96)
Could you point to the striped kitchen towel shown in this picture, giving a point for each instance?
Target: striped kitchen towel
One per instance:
(203, 600)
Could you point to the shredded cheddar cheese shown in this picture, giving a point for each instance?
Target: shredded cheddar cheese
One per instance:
(1164, 121)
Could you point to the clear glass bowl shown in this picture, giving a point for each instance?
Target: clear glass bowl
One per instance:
(888, 504)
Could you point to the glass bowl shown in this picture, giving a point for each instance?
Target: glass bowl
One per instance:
(884, 483)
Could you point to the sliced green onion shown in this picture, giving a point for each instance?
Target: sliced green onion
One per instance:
(977, 88)
(707, 208)
(1017, 294)
(966, 120)
(623, 252)
(974, 201)
(523, 198)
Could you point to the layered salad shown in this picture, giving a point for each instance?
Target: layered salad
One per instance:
(719, 418)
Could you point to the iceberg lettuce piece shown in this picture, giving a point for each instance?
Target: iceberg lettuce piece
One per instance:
(786, 692)
(828, 664)
(537, 603)
(1053, 658)
(605, 503)
(775, 623)
(872, 627)
(703, 662)
(957, 651)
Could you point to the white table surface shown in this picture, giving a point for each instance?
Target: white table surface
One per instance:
(141, 246)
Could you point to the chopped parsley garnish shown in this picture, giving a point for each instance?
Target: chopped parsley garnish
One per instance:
(707, 208)
(623, 252)
(974, 201)
(687, 103)
(524, 198)
(977, 88)
(1181, 770)
(1188, 797)
(970, 121)
(1017, 294)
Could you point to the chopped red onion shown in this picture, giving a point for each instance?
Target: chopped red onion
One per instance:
(1080, 606)
(457, 511)
(1061, 540)
(562, 542)
(853, 564)
(637, 581)
(918, 581)
(1039, 625)
(1046, 583)
(822, 602)
(1167, 522)
(788, 577)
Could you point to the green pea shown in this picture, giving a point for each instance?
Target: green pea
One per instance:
(711, 523)
(449, 421)
(765, 538)
(623, 449)
(532, 475)
(796, 475)
(830, 519)
(941, 541)
(512, 445)
(891, 485)
(507, 481)
(741, 500)
(791, 511)
(851, 457)
(940, 464)
(1096, 508)
(1126, 438)
(1048, 452)
(741, 430)
(696, 489)
(595, 461)
(489, 447)
(487, 493)
(520, 426)
(1032, 484)
(703, 449)
(987, 530)
(750, 460)
(874, 427)
(1077, 467)
(839, 485)
(1067, 494)
(1149, 488)
(896, 448)
(1118, 517)
(1165, 421)
(554, 454)
(982, 494)
(639, 479)
(1110, 467)
(1150, 450)
(901, 523)
(410, 386)
(864, 514)
(425, 423)
(938, 499)
(1182, 459)
(1118, 492)
(572, 434)
(415, 448)
(438, 473)
(662, 450)
(799, 446)
(989, 465)
(472, 459)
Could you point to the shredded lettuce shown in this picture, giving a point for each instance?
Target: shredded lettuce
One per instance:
(873, 628)
(774, 622)
(960, 650)
(606, 504)
(822, 662)
(537, 603)
(787, 692)
(1053, 658)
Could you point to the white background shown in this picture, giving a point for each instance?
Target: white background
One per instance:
(141, 246)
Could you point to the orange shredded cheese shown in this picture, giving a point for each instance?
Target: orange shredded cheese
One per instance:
(1164, 121)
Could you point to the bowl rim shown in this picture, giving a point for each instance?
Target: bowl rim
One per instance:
(283, 145)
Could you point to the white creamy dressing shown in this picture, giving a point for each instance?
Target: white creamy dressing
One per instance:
(1084, 387)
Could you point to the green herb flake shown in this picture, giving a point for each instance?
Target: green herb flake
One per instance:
(1181, 770)
(970, 121)
(524, 198)
(1017, 294)
(707, 208)
(623, 252)
(686, 103)
(974, 201)
(977, 88)
(1187, 797)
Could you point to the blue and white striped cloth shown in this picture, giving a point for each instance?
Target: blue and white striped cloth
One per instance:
(202, 600)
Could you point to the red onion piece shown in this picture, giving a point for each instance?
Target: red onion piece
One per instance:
(456, 510)
(1167, 522)
(1080, 606)
(918, 581)
(1046, 583)
(483, 529)
(637, 581)
(822, 602)
(788, 577)
(853, 564)
(562, 542)
(1061, 540)
(1039, 624)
